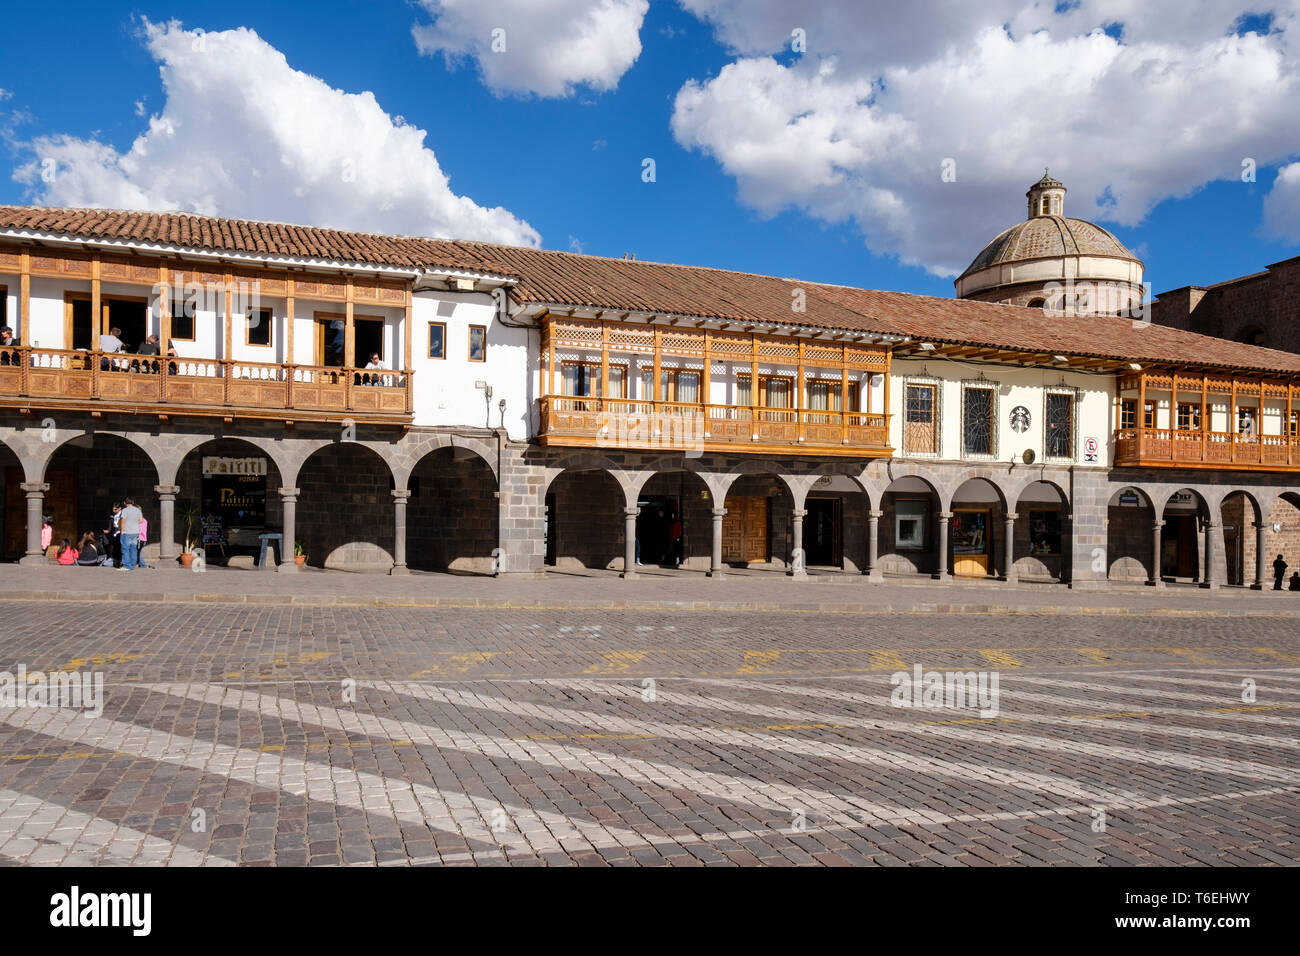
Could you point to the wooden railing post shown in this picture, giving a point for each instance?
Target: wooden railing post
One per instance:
(290, 373)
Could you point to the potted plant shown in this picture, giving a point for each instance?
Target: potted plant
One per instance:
(299, 553)
(189, 514)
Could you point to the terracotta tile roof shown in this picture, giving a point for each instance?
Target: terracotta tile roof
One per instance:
(582, 281)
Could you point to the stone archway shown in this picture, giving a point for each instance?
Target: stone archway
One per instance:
(758, 528)
(452, 513)
(199, 515)
(586, 519)
(13, 508)
(345, 510)
(1130, 523)
(977, 531)
(910, 527)
(1041, 533)
(674, 522)
(1239, 518)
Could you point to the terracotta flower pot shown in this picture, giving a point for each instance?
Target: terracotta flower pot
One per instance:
(300, 559)
(187, 559)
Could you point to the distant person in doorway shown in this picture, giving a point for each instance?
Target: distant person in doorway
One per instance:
(128, 523)
(47, 532)
(1279, 572)
(676, 535)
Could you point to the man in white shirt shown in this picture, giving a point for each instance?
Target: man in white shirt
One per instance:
(375, 362)
(110, 343)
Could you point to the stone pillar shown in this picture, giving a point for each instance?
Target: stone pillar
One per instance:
(288, 528)
(873, 546)
(629, 541)
(35, 512)
(943, 574)
(1155, 555)
(1261, 569)
(1009, 547)
(715, 562)
(166, 520)
(1207, 579)
(798, 560)
(399, 530)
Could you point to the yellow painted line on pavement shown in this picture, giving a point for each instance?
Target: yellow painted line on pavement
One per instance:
(112, 657)
(1097, 655)
(1195, 655)
(887, 660)
(759, 662)
(617, 662)
(1282, 655)
(1000, 658)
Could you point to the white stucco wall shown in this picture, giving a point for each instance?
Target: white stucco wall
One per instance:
(1013, 387)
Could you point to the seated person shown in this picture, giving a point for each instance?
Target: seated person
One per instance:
(67, 553)
(90, 551)
(7, 339)
(1294, 583)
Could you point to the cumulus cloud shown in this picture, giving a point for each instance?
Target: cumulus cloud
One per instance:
(548, 49)
(244, 134)
(1282, 205)
(1129, 103)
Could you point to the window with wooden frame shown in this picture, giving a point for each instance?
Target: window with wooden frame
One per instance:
(1247, 421)
(1189, 417)
(478, 343)
(257, 327)
(1058, 418)
(978, 408)
(437, 340)
(920, 418)
(828, 395)
(184, 317)
(1293, 428)
(774, 391)
(583, 379)
(1128, 414)
(675, 385)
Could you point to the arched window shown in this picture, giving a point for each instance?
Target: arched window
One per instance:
(1036, 303)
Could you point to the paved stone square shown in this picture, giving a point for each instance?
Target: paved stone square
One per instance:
(321, 734)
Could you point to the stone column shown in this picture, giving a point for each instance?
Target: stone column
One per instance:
(798, 560)
(1261, 555)
(629, 541)
(943, 574)
(288, 528)
(873, 546)
(1207, 579)
(166, 520)
(1009, 547)
(1155, 559)
(399, 530)
(35, 512)
(715, 562)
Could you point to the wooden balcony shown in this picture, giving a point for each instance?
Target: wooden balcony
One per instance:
(668, 426)
(1180, 448)
(94, 381)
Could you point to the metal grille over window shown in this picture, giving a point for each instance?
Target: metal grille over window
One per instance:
(977, 421)
(919, 432)
(1060, 426)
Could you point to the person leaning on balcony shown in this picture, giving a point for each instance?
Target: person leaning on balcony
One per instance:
(109, 342)
(149, 347)
(1279, 572)
(375, 362)
(8, 340)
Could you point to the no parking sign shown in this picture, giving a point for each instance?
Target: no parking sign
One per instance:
(1090, 449)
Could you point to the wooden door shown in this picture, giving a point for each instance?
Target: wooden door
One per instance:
(970, 534)
(744, 531)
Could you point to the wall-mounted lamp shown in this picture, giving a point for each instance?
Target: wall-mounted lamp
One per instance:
(502, 406)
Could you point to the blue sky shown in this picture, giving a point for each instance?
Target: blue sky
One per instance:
(570, 166)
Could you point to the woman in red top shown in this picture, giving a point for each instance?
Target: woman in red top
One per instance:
(67, 553)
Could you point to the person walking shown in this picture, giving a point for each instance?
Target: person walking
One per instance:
(128, 523)
(144, 538)
(1279, 572)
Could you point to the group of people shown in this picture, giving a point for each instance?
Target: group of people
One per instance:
(111, 343)
(120, 545)
(1279, 572)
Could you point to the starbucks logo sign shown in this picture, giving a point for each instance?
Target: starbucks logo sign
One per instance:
(1020, 418)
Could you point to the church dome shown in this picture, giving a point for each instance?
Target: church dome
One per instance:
(1050, 258)
(1048, 237)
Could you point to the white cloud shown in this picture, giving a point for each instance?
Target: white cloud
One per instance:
(859, 127)
(1282, 205)
(548, 49)
(244, 134)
